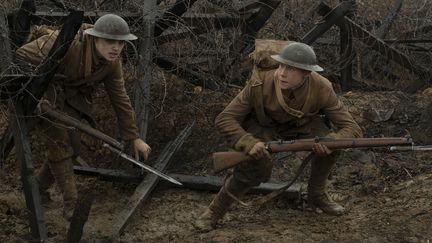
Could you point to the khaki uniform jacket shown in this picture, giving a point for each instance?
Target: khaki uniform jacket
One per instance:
(263, 100)
(78, 75)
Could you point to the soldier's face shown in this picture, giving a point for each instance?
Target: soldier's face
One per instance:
(109, 49)
(290, 77)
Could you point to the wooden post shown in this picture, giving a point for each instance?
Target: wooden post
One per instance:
(346, 52)
(145, 68)
(22, 21)
(31, 188)
(5, 47)
(143, 190)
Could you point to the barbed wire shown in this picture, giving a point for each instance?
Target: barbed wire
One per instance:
(208, 47)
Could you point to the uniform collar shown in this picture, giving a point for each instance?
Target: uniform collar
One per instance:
(281, 99)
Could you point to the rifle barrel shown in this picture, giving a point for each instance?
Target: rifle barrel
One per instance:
(411, 148)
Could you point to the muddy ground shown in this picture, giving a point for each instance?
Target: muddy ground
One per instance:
(387, 194)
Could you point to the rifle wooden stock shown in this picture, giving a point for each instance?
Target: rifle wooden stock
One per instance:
(226, 160)
(70, 121)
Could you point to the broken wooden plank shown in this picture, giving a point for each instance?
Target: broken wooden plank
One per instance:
(40, 82)
(391, 53)
(24, 157)
(252, 25)
(346, 54)
(48, 68)
(346, 80)
(24, 107)
(331, 17)
(214, 183)
(144, 189)
(195, 182)
(385, 27)
(108, 174)
(244, 45)
(21, 21)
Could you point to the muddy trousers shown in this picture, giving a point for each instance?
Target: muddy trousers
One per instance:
(62, 173)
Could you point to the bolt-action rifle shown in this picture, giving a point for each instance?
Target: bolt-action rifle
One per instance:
(109, 142)
(226, 160)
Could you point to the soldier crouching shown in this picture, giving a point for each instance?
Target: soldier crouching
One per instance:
(290, 102)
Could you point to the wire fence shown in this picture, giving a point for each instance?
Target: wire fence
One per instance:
(208, 49)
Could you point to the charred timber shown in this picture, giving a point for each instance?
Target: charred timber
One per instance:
(253, 24)
(145, 68)
(331, 17)
(195, 182)
(143, 190)
(40, 82)
(391, 53)
(20, 22)
(24, 157)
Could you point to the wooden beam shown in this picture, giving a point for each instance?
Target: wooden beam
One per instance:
(385, 27)
(46, 71)
(145, 68)
(24, 157)
(331, 17)
(21, 21)
(346, 54)
(195, 182)
(391, 53)
(40, 82)
(143, 190)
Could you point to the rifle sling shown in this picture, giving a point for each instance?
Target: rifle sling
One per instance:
(264, 199)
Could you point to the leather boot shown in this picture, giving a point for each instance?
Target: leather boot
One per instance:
(220, 205)
(317, 193)
(45, 179)
(63, 174)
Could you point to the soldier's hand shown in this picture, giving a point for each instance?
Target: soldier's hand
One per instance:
(321, 150)
(141, 148)
(259, 151)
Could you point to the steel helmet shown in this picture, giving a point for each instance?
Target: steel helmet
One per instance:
(298, 55)
(111, 26)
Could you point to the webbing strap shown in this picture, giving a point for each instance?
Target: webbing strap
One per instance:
(267, 198)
